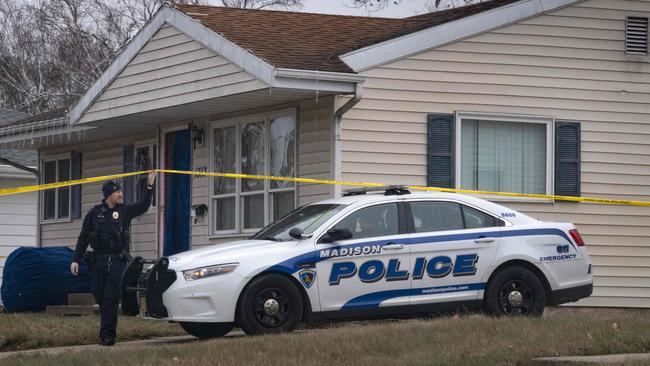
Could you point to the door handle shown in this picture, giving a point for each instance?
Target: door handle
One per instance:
(393, 246)
(484, 240)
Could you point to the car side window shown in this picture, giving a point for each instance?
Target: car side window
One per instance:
(477, 219)
(373, 221)
(436, 216)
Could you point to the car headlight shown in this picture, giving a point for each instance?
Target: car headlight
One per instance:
(197, 273)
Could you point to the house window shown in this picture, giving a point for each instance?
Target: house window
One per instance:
(56, 202)
(260, 145)
(145, 158)
(505, 154)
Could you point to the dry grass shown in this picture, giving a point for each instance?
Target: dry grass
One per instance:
(465, 340)
(40, 330)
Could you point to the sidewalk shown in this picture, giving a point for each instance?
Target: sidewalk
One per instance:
(117, 347)
(593, 360)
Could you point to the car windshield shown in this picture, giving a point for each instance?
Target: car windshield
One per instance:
(307, 219)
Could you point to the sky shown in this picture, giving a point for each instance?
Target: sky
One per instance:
(404, 9)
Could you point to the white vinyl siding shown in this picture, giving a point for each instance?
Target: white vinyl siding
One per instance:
(101, 158)
(569, 64)
(171, 69)
(18, 219)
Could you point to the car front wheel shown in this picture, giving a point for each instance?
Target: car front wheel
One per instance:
(515, 291)
(207, 330)
(270, 304)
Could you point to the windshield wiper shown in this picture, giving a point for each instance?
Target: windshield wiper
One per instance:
(271, 238)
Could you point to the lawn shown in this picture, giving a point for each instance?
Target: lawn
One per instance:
(38, 330)
(464, 340)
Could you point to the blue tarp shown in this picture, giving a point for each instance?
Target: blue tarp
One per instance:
(36, 277)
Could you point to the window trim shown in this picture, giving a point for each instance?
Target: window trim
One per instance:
(549, 121)
(153, 146)
(50, 158)
(238, 122)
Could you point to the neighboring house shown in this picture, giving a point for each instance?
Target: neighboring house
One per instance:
(527, 96)
(18, 219)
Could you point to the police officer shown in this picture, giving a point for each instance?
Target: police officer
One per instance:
(106, 229)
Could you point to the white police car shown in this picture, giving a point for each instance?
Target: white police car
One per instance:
(366, 256)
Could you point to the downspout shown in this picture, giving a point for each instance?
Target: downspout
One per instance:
(338, 115)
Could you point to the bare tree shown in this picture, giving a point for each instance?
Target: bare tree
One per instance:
(430, 5)
(51, 51)
(263, 4)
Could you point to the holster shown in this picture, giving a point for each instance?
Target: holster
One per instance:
(89, 257)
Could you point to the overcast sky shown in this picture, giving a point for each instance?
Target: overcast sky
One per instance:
(404, 9)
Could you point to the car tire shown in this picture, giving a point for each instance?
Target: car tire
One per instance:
(207, 330)
(515, 291)
(270, 304)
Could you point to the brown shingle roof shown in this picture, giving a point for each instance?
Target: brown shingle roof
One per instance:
(315, 41)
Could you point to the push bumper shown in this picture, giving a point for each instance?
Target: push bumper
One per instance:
(571, 294)
(142, 291)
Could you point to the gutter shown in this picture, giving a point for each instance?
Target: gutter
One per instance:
(338, 115)
(21, 167)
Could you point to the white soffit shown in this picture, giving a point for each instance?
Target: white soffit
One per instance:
(394, 49)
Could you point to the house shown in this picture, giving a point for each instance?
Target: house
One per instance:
(528, 96)
(18, 219)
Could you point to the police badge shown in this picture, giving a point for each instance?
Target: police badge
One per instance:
(115, 215)
(307, 277)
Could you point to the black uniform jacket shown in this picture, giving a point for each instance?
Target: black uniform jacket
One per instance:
(109, 227)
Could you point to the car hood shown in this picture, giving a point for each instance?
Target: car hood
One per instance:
(226, 253)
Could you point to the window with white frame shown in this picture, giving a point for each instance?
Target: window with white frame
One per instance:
(56, 202)
(505, 153)
(145, 158)
(256, 145)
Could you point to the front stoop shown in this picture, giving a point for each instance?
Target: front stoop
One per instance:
(82, 299)
(592, 360)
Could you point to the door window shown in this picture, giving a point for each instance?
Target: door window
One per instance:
(373, 221)
(439, 216)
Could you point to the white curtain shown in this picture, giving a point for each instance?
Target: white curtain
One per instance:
(503, 156)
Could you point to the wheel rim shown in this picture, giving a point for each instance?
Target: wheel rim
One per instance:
(516, 297)
(272, 307)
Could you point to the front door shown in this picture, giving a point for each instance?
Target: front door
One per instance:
(178, 190)
(453, 246)
(367, 274)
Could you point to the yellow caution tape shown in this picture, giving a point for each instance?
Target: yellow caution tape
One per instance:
(41, 187)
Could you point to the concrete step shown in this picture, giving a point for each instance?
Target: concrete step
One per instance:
(71, 310)
(81, 299)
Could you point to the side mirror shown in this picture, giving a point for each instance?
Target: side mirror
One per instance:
(334, 235)
(297, 234)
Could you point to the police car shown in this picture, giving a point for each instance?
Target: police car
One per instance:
(386, 254)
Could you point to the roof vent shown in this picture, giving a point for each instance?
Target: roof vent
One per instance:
(636, 36)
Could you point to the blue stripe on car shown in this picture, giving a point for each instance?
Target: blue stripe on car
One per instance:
(292, 265)
(372, 300)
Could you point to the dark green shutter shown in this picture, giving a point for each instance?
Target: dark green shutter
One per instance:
(567, 158)
(440, 150)
(75, 191)
(127, 182)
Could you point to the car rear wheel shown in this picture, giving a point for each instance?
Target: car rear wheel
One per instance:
(515, 291)
(270, 304)
(207, 330)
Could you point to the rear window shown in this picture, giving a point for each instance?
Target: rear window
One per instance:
(441, 216)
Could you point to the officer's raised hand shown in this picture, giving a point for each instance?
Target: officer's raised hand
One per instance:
(151, 179)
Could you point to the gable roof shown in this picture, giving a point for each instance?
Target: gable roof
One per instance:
(8, 116)
(315, 41)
